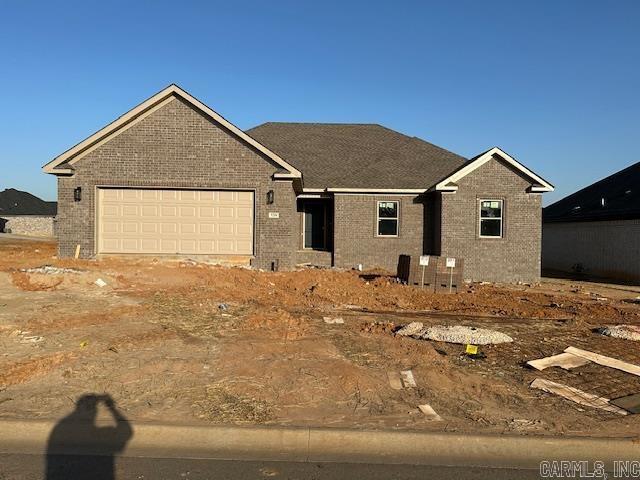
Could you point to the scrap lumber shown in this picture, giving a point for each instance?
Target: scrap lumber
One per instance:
(429, 412)
(576, 395)
(407, 379)
(562, 360)
(395, 381)
(605, 361)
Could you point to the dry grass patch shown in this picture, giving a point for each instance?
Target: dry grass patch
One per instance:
(219, 405)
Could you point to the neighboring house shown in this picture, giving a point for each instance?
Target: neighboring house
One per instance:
(596, 231)
(173, 177)
(25, 214)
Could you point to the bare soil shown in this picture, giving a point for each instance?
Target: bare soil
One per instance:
(157, 339)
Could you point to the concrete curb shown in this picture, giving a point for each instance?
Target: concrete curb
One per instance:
(329, 445)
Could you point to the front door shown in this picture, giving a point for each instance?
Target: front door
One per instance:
(315, 225)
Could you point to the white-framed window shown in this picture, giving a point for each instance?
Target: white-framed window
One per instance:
(491, 218)
(387, 216)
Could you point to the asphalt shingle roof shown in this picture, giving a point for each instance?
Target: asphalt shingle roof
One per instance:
(16, 202)
(616, 197)
(357, 155)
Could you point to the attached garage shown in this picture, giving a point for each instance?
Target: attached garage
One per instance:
(175, 221)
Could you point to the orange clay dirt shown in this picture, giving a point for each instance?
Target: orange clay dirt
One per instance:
(184, 342)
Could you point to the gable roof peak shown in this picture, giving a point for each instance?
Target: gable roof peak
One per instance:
(448, 184)
(63, 163)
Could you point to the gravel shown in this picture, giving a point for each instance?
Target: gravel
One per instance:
(50, 270)
(454, 334)
(626, 332)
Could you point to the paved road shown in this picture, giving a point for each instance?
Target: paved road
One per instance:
(31, 467)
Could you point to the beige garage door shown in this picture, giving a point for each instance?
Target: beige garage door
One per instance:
(201, 222)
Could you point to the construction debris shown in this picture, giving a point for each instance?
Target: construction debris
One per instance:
(429, 413)
(631, 403)
(50, 270)
(605, 361)
(577, 396)
(26, 338)
(454, 334)
(407, 379)
(333, 320)
(101, 283)
(395, 381)
(626, 332)
(562, 360)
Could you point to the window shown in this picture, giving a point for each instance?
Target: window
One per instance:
(387, 219)
(491, 218)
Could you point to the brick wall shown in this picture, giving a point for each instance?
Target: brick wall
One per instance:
(512, 258)
(176, 146)
(355, 239)
(609, 249)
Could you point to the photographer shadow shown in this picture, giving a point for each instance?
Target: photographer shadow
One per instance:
(78, 448)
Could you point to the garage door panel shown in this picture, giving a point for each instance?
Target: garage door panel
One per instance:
(245, 198)
(244, 212)
(149, 210)
(169, 211)
(207, 212)
(175, 221)
(168, 228)
(130, 227)
(169, 245)
(149, 244)
(130, 244)
(206, 228)
(226, 212)
(187, 228)
(244, 230)
(129, 210)
(149, 227)
(226, 229)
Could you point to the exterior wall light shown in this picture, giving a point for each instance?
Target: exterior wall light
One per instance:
(270, 197)
(77, 194)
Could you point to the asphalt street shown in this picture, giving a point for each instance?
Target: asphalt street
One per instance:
(32, 467)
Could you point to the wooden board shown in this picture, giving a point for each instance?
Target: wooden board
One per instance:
(605, 361)
(575, 395)
(562, 360)
(429, 412)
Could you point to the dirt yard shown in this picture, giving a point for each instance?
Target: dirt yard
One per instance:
(178, 341)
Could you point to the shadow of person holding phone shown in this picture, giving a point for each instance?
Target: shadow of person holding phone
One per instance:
(80, 449)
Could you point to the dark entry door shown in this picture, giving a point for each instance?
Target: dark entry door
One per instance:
(315, 226)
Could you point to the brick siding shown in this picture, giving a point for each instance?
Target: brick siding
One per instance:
(514, 257)
(355, 239)
(176, 146)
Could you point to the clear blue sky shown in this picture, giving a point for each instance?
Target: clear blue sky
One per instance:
(554, 83)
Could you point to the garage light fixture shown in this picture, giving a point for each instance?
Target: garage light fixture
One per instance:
(77, 194)
(270, 197)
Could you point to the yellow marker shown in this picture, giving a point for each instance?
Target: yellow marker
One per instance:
(84, 344)
(472, 349)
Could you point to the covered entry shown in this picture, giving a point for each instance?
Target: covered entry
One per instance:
(317, 224)
(173, 221)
